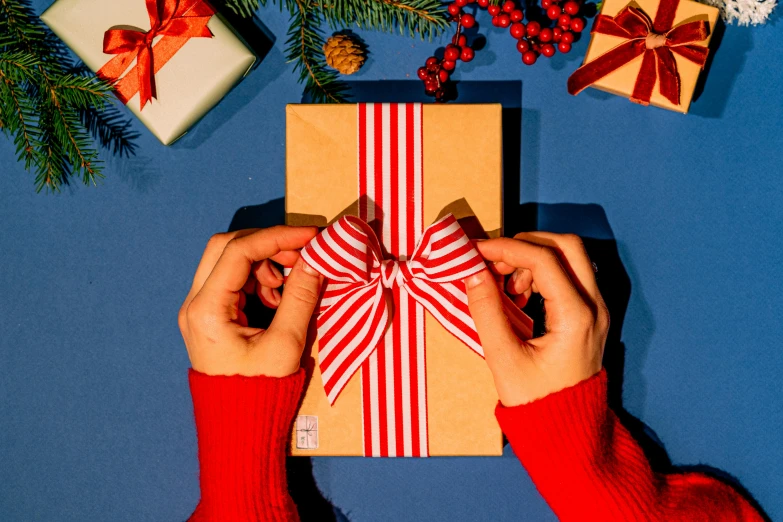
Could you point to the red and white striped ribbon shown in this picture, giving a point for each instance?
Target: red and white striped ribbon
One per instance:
(371, 315)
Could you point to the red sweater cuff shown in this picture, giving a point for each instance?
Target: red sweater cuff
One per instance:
(244, 427)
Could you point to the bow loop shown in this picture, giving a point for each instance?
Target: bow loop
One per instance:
(688, 33)
(634, 21)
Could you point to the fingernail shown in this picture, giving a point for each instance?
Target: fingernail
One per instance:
(514, 276)
(275, 271)
(474, 280)
(308, 269)
(276, 296)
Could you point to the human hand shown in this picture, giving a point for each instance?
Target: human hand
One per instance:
(212, 320)
(577, 320)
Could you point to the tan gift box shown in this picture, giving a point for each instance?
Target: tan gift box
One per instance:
(193, 81)
(621, 82)
(322, 185)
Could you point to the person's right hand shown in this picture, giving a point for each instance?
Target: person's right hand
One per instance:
(212, 318)
(577, 320)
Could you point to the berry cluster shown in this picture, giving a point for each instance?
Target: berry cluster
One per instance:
(435, 72)
(552, 28)
(535, 40)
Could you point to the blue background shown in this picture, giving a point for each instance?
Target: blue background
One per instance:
(95, 414)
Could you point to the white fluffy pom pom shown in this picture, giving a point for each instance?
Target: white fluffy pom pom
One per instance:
(744, 12)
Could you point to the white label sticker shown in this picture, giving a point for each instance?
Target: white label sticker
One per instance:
(307, 432)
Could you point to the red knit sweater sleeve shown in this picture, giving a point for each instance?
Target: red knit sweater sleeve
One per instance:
(244, 426)
(587, 466)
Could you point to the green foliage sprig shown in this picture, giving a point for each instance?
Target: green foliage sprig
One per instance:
(52, 110)
(304, 46)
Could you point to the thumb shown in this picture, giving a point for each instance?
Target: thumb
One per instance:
(486, 308)
(300, 295)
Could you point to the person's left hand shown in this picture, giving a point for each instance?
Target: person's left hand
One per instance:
(212, 320)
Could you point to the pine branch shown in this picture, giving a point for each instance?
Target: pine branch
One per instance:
(305, 50)
(17, 22)
(52, 111)
(246, 8)
(82, 92)
(17, 117)
(53, 169)
(427, 18)
(73, 138)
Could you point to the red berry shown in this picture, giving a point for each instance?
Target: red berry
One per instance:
(432, 62)
(452, 53)
(467, 20)
(517, 30)
(517, 15)
(571, 7)
(493, 10)
(430, 86)
(546, 3)
(461, 3)
(529, 58)
(483, 3)
(509, 5)
(545, 35)
(423, 73)
(577, 25)
(533, 28)
(564, 21)
(548, 50)
(523, 46)
(454, 9)
(449, 65)
(504, 20)
(557, 34)
(568, 37)
(553, 12)
(440, 93)
(467, 54)
(443, 75)
(495, 21)
(563, 47)
(461, 41)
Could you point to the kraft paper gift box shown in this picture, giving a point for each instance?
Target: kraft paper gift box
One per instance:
(322, 184)
(681, 21)
(188, 80)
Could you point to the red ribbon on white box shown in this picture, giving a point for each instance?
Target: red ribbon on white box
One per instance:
(371, 315)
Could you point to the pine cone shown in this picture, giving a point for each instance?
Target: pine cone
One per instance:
(344, 54)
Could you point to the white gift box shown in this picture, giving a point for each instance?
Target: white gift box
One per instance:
(192, 82)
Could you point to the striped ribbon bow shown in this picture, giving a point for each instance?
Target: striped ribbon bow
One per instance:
(355, 310)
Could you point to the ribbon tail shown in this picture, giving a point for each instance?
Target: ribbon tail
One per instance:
(348, 334)
(608, 62)
(668, 77)
(645, 82)
(146, 72)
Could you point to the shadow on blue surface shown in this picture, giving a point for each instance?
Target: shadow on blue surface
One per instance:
(715, 83)
(261, 41)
